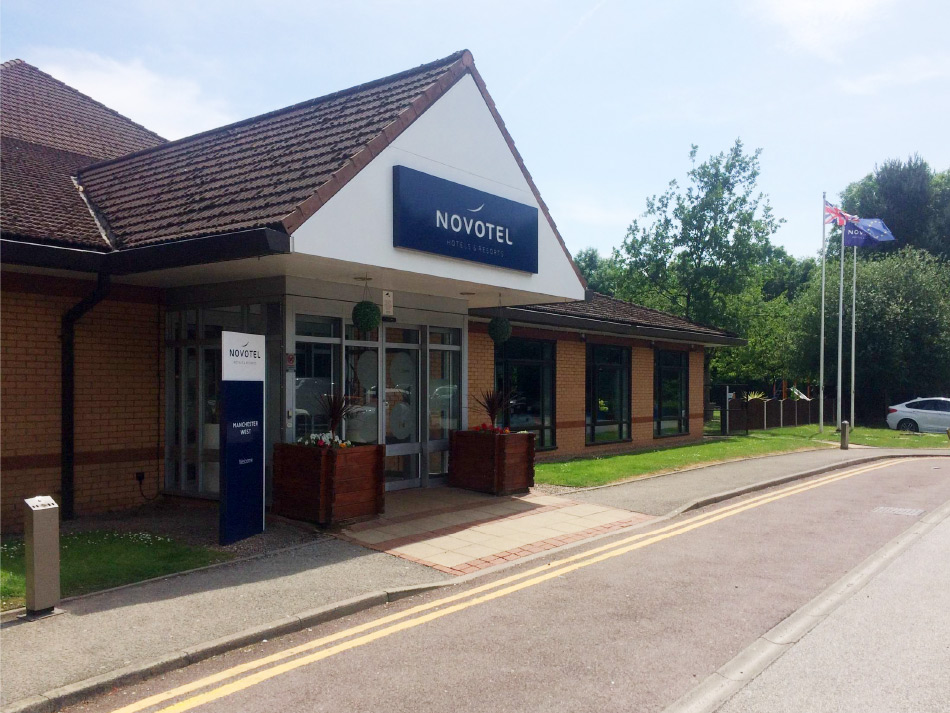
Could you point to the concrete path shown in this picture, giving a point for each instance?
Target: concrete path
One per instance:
(102, 633)
(884, 649)
(663, 494)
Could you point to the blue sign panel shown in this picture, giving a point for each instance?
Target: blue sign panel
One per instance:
(241, 507)
(446, 218)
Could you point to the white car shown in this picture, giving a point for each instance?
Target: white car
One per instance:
(931, 415)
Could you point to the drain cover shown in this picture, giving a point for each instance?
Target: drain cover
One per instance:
(910, 512)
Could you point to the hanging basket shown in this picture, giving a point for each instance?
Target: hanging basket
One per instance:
(366, 316)
(499, 329)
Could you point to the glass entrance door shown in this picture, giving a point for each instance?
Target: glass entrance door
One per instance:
(401, 412)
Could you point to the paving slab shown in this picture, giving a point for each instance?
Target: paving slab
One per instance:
(474, 535)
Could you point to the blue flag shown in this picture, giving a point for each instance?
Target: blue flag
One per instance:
(866, 231)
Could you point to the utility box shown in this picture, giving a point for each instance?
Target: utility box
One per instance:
(42, 555)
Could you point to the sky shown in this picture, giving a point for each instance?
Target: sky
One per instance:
(603, 97)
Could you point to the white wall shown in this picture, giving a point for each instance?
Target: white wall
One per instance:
(456, 139)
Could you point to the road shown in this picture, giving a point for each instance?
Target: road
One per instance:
(629, 623)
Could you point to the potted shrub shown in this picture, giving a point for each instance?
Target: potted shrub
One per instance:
(326, 480)
(491, 459)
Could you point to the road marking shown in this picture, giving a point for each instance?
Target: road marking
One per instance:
(504, 586)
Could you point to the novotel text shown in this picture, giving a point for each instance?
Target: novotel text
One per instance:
(244, 353)
(480, 228)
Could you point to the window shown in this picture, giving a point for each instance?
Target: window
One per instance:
(193, 383)
(670, 393)
(608, 393)
(525, 369)
(317, 373)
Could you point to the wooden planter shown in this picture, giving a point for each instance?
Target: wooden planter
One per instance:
(496, 463)
(328, 486)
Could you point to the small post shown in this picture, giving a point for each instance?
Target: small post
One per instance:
(41, 541)
(845, 435)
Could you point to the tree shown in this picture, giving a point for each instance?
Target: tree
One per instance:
(600, 272)
(903, 330)
(698, 246)
(908, 196)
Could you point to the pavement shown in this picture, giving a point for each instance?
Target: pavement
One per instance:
(127, 634)
(876, 641)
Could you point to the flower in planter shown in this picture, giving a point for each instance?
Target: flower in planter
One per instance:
(323, 440)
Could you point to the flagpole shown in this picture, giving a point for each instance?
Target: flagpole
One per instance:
(854, 322)
(840, 327)
(821, 359)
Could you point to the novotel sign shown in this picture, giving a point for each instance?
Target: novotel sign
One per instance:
(241, 436)
(438, 216)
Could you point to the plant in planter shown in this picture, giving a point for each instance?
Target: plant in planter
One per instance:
(489, 458)
(325, 479)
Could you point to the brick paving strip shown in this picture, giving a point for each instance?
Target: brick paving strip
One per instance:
(488, 533)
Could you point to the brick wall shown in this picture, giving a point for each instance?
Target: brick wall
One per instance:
(481, 370)
(119, 394)
(570, 390)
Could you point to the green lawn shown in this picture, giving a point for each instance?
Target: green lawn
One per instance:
(610, 469)
(879, 437)
(91, 561)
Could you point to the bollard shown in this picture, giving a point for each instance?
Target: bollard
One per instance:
(845, 435)
(42, 555)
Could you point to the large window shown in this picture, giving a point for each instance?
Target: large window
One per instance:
(671, 393)
(608, 393)
(317, 373)
(524, 368)
(193, 383)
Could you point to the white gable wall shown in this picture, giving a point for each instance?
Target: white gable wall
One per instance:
(456, 139)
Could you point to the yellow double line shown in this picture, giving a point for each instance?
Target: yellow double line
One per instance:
(424, 613)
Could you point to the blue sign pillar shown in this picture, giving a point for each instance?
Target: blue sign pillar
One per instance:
(242, 436)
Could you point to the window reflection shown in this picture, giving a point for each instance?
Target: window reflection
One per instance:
(608, 393)
(524, 368)
(671, 375)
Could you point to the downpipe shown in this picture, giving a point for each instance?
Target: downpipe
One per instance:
(68, 393)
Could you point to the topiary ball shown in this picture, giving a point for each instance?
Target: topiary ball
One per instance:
(366, 316)
(499, 329)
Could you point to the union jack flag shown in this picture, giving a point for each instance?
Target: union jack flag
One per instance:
(833, 214)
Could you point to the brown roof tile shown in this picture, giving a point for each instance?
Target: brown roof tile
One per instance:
(49, 131)
(257, 172)
(610, 309)
(38, 201)
(42, 110)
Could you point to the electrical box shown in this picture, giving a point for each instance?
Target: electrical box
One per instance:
(42, 554)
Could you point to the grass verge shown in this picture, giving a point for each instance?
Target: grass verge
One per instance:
(610, 469)
(91, 561)
(878, 437)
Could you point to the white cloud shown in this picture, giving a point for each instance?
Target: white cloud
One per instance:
(170, 106)
(820, 27)
(913, 70)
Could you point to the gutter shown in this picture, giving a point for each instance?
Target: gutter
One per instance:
(241, 244)
(68, 393)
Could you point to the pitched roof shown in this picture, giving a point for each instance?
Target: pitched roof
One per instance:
(49, 131)
(610, 311)
(42, 110)
(38, 201)
(263, 171)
